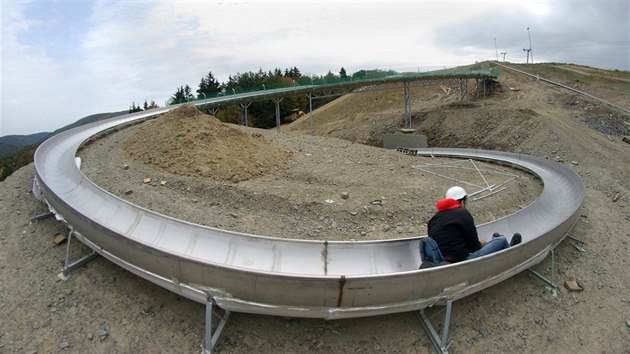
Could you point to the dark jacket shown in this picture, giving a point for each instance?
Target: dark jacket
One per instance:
(453, 228)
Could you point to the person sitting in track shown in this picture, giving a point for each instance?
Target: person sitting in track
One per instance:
(453, 229)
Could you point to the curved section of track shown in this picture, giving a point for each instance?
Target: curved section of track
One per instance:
(266, 275)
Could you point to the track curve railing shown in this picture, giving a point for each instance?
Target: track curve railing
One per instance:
(298, 278)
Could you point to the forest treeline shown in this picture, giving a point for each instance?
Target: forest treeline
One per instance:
(15, 160)
(261, 114)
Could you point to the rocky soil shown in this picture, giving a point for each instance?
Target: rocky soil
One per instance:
(303, 186)
(301, 193)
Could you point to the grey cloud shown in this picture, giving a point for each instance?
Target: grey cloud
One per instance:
(591, 33)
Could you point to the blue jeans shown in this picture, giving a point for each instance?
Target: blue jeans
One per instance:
(494, 245)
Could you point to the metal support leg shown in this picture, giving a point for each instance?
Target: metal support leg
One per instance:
(553, 263)
(69, 267)
(467, 95)
(542, 277)
(577, 243)
(310, 111)
(212, 338)
(244, 107)
(477, 88)
(41, 217)
(277, 102)
(484, 88)
(407, 105)
(214, 111)
(439, 343)
(576, 239)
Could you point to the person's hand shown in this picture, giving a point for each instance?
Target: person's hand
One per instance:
(483, 242)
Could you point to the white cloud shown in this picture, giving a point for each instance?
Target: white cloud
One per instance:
(124, 51)
(23, 64)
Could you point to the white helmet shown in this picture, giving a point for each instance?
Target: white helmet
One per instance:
(456, 193)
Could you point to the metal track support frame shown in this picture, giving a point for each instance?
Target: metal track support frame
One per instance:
(213, 337)
(40, 217)
(463, 89)
(476, 87)
(549, 282)
(68, 266)
(407, 104)
(214, 111)
(310, 111)
(439, 342)
(244, 107)
(277, 101)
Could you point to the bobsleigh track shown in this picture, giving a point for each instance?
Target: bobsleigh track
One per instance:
(296, 278)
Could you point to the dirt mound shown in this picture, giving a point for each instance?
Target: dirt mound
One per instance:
(188, 142)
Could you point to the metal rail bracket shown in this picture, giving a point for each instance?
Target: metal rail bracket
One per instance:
(212, 337)
(439, 342)
(549, 282)
(69, 267)
(40, 217)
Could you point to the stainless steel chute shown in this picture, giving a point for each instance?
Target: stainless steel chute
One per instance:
(298, 278)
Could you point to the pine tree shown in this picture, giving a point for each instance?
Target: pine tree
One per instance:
(296, 73)
(208, 85)
(179, 95)
(134, 108)
(188, 92)
(330, 76)
(342, 73)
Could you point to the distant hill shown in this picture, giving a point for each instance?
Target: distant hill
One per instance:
(12, 143)
(17, 150)
(90, 119)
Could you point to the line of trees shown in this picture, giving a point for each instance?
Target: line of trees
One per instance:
(260, 114)
(133, 108)
(16, 160)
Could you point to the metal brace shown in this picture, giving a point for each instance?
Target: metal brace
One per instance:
(553, 261)
(212, 337)
(439, 343)
(542, 277)
(41, 217)
(576, 239)
(69, 267)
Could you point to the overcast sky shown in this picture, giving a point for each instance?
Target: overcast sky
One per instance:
(63, 60)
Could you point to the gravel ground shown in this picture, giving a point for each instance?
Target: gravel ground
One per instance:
(330, 189)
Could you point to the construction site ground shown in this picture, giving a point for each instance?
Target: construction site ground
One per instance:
(329, 179)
